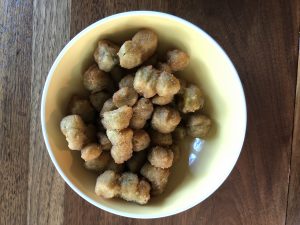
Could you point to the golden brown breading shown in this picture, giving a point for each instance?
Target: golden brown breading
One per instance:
(165, 119)
(106, 55)
(161, 157)
(158, 177)
(177, 60)
(107, 184)
(91, 151)
(167, 84)
(140, 140)
(198, 126)
(191, 100)
(96, 80)
(125, 96)
(145, 81)
(117, 119)
(142, 111)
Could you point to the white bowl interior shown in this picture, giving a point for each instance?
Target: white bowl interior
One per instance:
(204, 165)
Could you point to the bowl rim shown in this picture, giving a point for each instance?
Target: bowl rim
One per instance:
(235, 77)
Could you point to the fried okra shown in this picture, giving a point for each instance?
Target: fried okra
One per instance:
(165, 119)
(164, 67)
(107, 106)
(117, 119)
(98, 164)
(74, 129)
(177, 60)
(158, 177)
(142, 111)
(106, 56)
(167, 84)
(107, 184)
(96, 80)
(83, 108)
(121, 141)
(198, 126)
(162, 100)
(161, 157)
(126, 81)
(125, 96)
(191, 100)
(160, 139)
(140, 140)
(91, 151)
(136, 51)
(145, 81)
(134, 190)
(97, 99)
(104, 141)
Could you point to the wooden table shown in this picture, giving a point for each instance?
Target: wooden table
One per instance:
(261, 38)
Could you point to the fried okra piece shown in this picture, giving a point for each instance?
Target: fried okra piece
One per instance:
(91, 151)
(198, 126)
(136, 162)
(179, 133)
(161, 157)
(125, 96)
(127, 81)
(165, 119)
(106, 56)
(167, 84)
(107, 106)
(98, 164)
(145, 81)
(74, 129)
(158, 177)
(117, 119)
(191, 100)
(97, 99)
(136, 51)
(147, 40)
(160, 139)
(140, 140)
(142, 111)
(107, 184)
(104, 141)
(130, 55)
(121, 141)
(83, 108)
(96, 80)
(164, 67)
(177, 60)
(134, 190)
(162, 100)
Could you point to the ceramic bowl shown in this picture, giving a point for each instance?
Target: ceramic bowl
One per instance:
(203, 165)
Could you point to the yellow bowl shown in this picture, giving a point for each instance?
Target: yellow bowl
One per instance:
(204, 165)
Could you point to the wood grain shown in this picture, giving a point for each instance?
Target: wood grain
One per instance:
(261, 38)
(51, 20)
(15, 72)
(293, 209)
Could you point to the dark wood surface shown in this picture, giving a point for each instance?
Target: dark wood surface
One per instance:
(261, 38)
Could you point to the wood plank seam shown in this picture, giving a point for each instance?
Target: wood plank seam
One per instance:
(294, 134)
